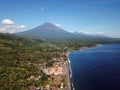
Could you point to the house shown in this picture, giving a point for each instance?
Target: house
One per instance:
(62, 85)
(47, 87)
(31, 88)
(54, 70)
(59, 70)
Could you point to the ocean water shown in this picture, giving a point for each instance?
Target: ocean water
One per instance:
(96, 68)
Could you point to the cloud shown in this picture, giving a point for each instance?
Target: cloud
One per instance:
(93, 33)
(101, 33)
(58, 25)
(42, 9)
(7, 22)
(10, 27)
(85, 32)
(21, 27)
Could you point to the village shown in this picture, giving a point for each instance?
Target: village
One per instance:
(57, 75)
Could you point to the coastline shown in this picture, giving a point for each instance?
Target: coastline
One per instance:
(69, 74)
(70, 85)
(68, 53)
(84, 48)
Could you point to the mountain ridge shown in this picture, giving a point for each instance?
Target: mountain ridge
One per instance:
(49, 31)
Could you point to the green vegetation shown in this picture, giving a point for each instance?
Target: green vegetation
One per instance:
(20, 59)
(77, 43)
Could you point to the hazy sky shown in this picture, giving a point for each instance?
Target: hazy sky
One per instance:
(88, 16)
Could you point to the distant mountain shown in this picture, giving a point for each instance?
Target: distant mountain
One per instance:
(49, 31)
(91, 35)
(46, 31)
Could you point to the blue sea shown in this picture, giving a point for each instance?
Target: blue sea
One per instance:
(96, 68)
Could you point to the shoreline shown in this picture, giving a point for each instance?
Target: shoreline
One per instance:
(84, 48)
(69, 63)
(70, 84)
(69, 74)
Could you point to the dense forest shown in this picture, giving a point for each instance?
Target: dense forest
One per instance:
(20, 58)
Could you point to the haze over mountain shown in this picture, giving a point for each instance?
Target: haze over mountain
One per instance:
(45, 31)
(100, 35)
(52, 31)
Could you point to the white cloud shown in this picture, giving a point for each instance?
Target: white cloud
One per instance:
(42, 9)
(22, 26)
(7, 22)
(94, 33)
(58, 25)
(85, 32)
(10, 27)
(101, 33)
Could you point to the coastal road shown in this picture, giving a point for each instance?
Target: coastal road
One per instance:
(68, 81)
